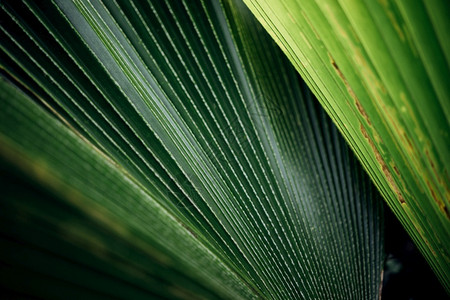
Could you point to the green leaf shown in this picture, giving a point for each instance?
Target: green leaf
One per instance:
(70, 214)
(380, 69)
(196, 103)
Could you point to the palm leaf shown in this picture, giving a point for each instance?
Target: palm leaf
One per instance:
(380, 69)
(87, 228)
(196, 103)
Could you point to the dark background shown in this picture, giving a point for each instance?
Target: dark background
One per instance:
(406, 273)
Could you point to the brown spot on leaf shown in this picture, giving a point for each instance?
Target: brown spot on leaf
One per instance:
(396, 170)
(408, 141)
(384, 168)
(433, 167)
(429, 245)
(350, 91)
(362, 111)
(446, 212)
(438, 201)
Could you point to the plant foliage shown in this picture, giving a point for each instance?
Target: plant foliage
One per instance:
(202, 166)
(381, 70)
